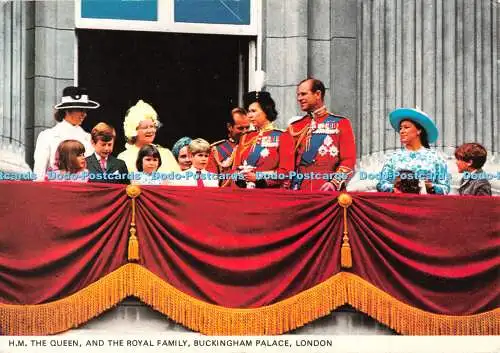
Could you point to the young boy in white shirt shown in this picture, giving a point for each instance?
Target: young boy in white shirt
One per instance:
(197, 175)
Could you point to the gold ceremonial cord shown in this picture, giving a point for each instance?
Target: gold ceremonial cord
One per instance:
(302, 133)
(306, 130)
(246, 144)
(345, 200)
(133, 191)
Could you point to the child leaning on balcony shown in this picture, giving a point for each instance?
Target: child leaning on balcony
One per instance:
(197, 175)
(70, 163)
(147, 164)
(470, 159)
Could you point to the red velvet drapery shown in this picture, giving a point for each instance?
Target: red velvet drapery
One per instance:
(56, 239)
(249, 248)
(239, 249)
(437, 253)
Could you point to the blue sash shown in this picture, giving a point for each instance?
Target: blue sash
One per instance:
(254, 156)
(225, 149)
(307, 157)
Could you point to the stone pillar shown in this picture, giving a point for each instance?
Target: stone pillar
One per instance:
(54, 62)
(319, 60)
(343, 58)
(439, 55)
(285, 52)
(13, 37)
(311, 38)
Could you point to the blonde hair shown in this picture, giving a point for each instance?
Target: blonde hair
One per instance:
(199, 145)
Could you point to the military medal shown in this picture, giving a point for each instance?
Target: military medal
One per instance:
(333, 151)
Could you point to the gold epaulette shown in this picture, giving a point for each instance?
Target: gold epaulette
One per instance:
(295, 119)
(338, 116)
(217, 143)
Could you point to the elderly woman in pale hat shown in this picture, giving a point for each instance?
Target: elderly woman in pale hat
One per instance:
(416, 130)
(140, 125)
(70, 113)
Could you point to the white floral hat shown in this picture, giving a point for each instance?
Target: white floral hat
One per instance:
(139, 112)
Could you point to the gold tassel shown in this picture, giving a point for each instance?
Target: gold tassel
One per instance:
(345, 200)
(133, 191)
(133, 247)
(345, 256)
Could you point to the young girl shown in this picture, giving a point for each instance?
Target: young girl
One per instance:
(70, 162)
(148, 162)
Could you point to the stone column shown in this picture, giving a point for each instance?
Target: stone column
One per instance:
(435, 54)
(285, 54)
(315, 38)
(54, 62)
(13, 22)
(343, 59)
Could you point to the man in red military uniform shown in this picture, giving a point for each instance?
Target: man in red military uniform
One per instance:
(325, 151)
(221, 156)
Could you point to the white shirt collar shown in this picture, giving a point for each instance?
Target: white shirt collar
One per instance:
(67, 125)
(99, 157)
(194, 170)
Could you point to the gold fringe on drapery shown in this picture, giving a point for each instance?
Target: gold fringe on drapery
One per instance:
(69, 312)
(408, 320)
(342, 288)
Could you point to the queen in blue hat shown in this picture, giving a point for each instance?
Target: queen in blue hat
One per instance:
(416, 131)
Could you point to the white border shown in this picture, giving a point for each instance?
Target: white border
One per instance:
(165, 22)
(148, 343)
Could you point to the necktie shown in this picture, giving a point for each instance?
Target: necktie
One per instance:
(103, 164)
(199, 181)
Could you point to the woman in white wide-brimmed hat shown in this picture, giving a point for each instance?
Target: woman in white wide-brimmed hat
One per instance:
(70, 113)
(140, 126)
(416, 130)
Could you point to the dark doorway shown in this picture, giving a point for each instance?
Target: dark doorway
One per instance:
(190, 80)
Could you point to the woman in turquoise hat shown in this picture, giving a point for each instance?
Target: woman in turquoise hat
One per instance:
(416, 130)
(181, 154)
